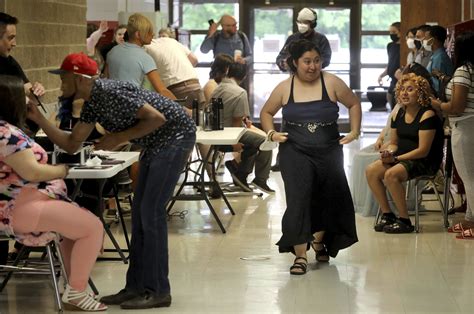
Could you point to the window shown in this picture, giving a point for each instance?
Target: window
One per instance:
(377, 16)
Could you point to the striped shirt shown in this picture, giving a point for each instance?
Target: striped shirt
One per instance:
(463, 76)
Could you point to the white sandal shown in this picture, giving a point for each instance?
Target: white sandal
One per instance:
(84, 300)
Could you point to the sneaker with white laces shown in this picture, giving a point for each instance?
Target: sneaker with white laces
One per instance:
(262, 185)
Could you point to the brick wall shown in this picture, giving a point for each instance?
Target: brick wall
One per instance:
(47, 32)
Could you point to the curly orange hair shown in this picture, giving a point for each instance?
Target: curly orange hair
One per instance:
(422, 87)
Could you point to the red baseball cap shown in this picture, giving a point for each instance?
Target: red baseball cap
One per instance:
(78, 63)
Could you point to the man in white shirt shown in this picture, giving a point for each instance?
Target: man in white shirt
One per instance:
(175, 64)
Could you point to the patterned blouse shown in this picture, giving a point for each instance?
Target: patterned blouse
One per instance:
(114, 105)
(13, 140)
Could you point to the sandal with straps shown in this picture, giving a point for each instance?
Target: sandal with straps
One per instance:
(81, 300)
(467, 234)
(322, 254)
(457, 228)
(299, 268)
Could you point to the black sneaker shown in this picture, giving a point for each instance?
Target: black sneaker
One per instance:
(398, 227)
(385, 220)
(239, 180)
(262, 185)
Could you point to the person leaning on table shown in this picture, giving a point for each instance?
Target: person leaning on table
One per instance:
(167, 136)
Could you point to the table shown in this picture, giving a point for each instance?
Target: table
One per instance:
(101, 174)
(228, 136)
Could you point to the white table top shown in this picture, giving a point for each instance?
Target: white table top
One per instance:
(228, 136)
(98, 173)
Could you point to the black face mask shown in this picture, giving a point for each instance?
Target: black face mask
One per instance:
(418, 44)
(394, 37)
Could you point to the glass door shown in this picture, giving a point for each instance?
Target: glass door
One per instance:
(271, 28)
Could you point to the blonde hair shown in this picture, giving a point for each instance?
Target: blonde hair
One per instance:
(422, 86)
(139, 22)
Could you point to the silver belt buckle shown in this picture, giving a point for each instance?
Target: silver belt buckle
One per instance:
(312, 127)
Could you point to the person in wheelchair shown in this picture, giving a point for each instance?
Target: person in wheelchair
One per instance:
(415, 149)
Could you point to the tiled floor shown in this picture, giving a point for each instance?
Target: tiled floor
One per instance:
(429, 272)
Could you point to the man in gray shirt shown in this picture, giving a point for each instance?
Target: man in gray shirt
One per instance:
(228, 40)
(236, 114)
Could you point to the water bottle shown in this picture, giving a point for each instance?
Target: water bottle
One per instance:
(220, 106)
(215, 111)
(196, 111)
(208, 117)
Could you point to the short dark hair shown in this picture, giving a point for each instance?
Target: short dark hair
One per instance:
(463, 49)
(220, 65)
(6, 19)
(297, 49)
(397, 25)
(438, 33)
(12, 93)
(423, 28)
(412, 30)
(237, 71)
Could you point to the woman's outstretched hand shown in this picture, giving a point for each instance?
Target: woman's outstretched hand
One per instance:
(280, 137)
(349, 138)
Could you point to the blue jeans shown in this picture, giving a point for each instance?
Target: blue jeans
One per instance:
(148, 269)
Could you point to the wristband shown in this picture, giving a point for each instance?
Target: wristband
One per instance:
(270, 135)
(355, 135)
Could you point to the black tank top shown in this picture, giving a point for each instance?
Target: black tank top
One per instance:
(323, 110)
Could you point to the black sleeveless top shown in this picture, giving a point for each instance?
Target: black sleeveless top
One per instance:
(323, 110)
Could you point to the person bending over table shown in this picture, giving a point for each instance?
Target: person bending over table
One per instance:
(415, 149)
(167, 136)
(35, 203)
(319, 209)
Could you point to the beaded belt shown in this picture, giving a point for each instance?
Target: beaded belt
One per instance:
(311, 126)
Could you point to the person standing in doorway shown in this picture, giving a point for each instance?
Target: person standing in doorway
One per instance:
(393, 51)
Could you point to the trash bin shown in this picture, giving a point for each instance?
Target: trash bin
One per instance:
(377, 95)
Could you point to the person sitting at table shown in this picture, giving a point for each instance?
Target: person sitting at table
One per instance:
(35, 203)
(167, 136)
(415, 149)
(237, 114)
(68, 114)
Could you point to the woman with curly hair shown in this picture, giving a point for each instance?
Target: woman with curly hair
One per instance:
(416, 145)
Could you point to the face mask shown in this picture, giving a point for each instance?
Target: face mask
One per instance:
(411, 43)
(302, 28)
(394, 37)
(418, 44)
(426, 45)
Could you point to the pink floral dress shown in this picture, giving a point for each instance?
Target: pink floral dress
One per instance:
(13, 140)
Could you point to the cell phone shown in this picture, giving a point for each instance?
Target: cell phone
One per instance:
(211, 21)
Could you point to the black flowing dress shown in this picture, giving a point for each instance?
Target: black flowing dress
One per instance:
(312, 167)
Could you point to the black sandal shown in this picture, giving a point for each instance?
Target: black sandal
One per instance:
(300, 267)
(322, 254)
